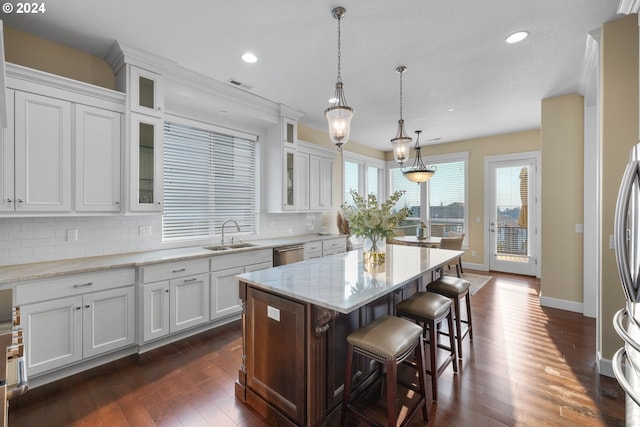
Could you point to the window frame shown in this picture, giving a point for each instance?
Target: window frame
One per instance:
(364, 163)
(208, 127)
(425, 211)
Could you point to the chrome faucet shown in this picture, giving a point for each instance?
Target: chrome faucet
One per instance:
(225, 223)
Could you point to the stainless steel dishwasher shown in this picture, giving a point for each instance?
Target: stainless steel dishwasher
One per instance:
(288, 254)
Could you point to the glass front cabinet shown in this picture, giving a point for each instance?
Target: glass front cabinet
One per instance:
(146, 91)
(146, 163)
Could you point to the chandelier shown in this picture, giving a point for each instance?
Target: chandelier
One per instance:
(339, 114)
(402, 142)
(418, 172)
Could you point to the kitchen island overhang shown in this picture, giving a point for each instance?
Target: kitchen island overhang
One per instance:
(295, 319)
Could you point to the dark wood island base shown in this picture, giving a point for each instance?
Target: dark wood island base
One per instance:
(294, 351)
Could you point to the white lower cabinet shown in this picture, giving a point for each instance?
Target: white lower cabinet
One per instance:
(176, 304)
(66, 330)
(225, 299)
(334, 246)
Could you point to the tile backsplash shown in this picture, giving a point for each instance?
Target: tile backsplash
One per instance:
(27, 240)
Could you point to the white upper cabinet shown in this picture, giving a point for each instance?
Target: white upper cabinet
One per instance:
(320, 183)
(146, 163)
(42, 153)
(7, 175)
(146, 91)
(98, 140)
(61, 149)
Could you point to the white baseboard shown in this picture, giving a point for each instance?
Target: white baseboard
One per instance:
(604, 366)
(562, 304)
(471, 266)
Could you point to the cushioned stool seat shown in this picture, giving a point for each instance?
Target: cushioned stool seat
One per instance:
(430, 309)
(454, 288)
(388, 340)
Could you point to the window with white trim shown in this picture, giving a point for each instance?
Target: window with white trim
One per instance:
(209, 176)
(446, 195)
(363, 174)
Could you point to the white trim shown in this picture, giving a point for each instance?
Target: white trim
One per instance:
(365, 162)
(605, 366)
(527, 155)
(629, 7)
(175, 118)
(561, 304)
(361, 158)
(30, 80)
(473, 266)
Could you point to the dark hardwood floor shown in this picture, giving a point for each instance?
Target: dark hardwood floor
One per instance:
(527, 366)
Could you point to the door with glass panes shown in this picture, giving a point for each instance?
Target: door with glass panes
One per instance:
(513, 216)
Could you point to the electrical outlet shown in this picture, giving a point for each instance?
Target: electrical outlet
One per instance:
(72, 234)
(473, 253)
(144, 230)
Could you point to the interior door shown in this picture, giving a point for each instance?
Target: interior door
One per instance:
(513, 222)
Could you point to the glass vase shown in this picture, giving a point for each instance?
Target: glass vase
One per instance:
(373, 250)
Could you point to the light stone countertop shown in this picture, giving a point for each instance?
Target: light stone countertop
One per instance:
(341, 283)
(21, 272)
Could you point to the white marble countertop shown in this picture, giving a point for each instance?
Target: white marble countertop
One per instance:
(339, 282)
(21, 272)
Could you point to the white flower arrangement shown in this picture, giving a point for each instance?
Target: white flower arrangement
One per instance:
(371, 220)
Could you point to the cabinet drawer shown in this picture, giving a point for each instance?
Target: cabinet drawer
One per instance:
(311, 247)
(334, 244)
(58, 287)
(171, 270)
(223, 262)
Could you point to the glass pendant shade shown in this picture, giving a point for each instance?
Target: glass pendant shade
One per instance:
(418, 172)
(401, 144)
(339, 116)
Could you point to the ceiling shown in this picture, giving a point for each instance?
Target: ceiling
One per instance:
(454, 51)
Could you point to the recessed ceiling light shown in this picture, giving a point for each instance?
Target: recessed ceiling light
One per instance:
(516, 37)
(249, 57)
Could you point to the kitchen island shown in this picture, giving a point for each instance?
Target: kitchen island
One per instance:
(295, 320)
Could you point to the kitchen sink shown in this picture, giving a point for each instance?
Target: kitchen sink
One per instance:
(217, 248)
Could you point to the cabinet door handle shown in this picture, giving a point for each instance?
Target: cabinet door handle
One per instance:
(180, 270)
(9, 200)
(20, 201)
(193, 279)
(87, 306)
(166, 290)
(82, 285)
(79, 307)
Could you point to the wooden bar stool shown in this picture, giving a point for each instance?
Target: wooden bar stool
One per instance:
(430, 309)
(388, 340)
(456, 289)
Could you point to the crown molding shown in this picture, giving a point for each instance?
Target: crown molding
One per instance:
(629, 7)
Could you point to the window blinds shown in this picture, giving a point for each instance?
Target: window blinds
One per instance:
(208, 177)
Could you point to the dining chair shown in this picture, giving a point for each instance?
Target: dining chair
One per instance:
(453, 241)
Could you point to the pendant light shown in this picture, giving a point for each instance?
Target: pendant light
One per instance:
(339, 114)
(402, 142)
(418, 172)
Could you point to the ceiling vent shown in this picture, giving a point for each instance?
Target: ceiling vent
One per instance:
(238, 83)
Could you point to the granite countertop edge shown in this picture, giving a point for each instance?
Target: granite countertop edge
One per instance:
(40, 270)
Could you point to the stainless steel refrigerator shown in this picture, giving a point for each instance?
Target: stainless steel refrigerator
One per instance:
(626, 361)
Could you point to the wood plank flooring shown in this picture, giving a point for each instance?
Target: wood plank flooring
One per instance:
(527, 366)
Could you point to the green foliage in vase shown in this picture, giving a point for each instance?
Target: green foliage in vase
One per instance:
(368, 218)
